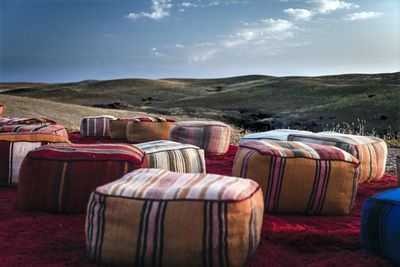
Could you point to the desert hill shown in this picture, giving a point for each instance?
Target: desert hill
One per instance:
(256, 102)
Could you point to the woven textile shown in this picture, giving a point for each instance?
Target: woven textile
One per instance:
(173, 156)
(380, 228)
(153, 217)
(60, 178)
(212, 136)
(53, 129)
(15, 146)
(370, 151)
(145, 129)
(96, 126)
(118, 129)
(277, 135)
(1, 109)
(28, 121)
(297, 177)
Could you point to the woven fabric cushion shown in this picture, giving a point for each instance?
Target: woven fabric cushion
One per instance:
(153, 217)
(278, 135)
(60, 178)
(28, 121)
(370, 151)
(1, 109)
(212, 136)
(173, 156)
(96, 126)
(52, 129)
(118, 129)
(380, 228)
(15, 146)
(145, 129)
(298, 177)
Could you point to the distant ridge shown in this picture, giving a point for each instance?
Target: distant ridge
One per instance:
(256, 102)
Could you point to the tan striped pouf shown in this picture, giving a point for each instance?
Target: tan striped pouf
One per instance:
(301, 178)
(96, 126)
(370, 151)
(173, 156)
(153, 217)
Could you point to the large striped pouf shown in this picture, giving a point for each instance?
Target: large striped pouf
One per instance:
(212, 136)
(52, 129)
(60, 178)
(26, 121)
(380, 227)
(96, 126)
(118, 129)
(173, 156)
(301, 178)
(370, 151)
(1, 109)
(277, 135)
(15, 146)
(153, 217)
(145, 129)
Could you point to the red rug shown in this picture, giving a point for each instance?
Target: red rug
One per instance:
(40, 239)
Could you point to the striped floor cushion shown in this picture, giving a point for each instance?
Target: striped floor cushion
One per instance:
(15, 146)
(212, 136)
(370, 151)
(96, 126)
(153, 217)
(52, 129)
(301, 178)
(380, 227)
(118, 129)
(277, 135)
(173, 156)
(1, 109)
(28, 121)
(60, 178)
(145, 129)
(398, 169)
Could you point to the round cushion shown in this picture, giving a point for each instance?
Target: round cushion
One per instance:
(153, 217)
(370, 151)
(380, 228)
(301, 178)
(60, 178)
(212, 136)
(13, 148)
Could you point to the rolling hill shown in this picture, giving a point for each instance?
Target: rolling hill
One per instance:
(254, 102)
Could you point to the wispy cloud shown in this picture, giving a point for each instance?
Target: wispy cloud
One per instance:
(327, 6)
(160, 9)
(299, 13)
(248, 36)
(363, 15)
(179, 46)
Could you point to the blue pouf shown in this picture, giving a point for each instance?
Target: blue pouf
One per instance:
(380, 225)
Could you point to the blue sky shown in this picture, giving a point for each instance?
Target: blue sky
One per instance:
(72, 40)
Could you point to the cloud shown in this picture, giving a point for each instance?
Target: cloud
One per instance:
(362, 15)
(259, 35)
(160, 9)
(327, 6)
(179, 46)
(299, 13)
(187, 4)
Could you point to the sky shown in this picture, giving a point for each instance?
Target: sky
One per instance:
(73, 40)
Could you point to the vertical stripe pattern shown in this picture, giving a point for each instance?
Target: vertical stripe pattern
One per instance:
(96, 126)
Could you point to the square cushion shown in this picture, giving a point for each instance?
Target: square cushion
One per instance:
(370, 151)
(299, 177)
(52, 129)
(174, 156)
(277, 135)
(96, 126)
(153, 217)
(60, 178)
(145, 129)
(15, 146)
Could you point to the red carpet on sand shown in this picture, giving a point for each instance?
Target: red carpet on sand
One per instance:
(41, 239)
